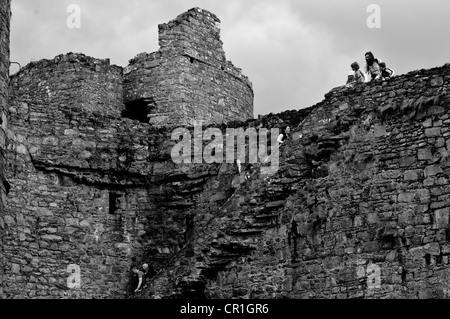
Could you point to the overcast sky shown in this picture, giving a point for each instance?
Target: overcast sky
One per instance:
(293, 51)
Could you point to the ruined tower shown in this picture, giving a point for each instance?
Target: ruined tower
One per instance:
(5, 14)
(188, 78)
(87, 179)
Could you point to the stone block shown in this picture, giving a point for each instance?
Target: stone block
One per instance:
(379, 130)
(432, 170)
(417, 252)
(357, 222)
(405, 197)
(331, 263)
(51, 237)
(436, 81)
(346, 275)
(372, 218)
(445, 249)
(391, 256)
(433, 132)
(424, 154)
(441, 218)
(432, 249)
(15, 268)
(407, 161)
(406, 218)
(343, 106)
(423, 194)
(287, 284)
(411, 176)
(314, 269)
(420, 209)
(371, 246)
(428, 123)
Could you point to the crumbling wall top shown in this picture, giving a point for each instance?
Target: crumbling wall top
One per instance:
(195, 33)
(63, 60)
(71, 80)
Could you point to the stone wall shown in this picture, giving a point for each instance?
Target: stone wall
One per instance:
(189, 77)
(361, 187)
(358, 209)
(73, 82)
(5, 15)
(91, 192)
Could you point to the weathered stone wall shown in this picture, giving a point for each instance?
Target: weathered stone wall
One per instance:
(5, 15)
(377, 193)
(91, 191)
(54, 225)
(363, 187)
(358, 209)
(189, 77)
(74, 82)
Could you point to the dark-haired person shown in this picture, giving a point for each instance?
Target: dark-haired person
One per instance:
(372, 67)
(284, 134)
(386, 73)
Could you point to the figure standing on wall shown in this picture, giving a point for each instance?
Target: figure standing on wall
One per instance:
(148, 272)
(138, 275)
(372, 67)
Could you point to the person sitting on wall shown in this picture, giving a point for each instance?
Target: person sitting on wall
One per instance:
(386, 73)
(284, 134)
(355, 76)
(372, 67)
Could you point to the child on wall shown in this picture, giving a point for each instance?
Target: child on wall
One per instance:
(386, 73)
(356, 75)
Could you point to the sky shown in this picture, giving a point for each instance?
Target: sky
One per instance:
(293, 51)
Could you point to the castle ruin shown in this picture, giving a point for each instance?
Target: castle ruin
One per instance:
(359, 207)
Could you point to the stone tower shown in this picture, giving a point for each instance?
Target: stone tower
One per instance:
(189, 77)
(5, 15)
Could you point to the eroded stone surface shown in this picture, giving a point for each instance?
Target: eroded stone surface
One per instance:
(5, 13)
(359, 207)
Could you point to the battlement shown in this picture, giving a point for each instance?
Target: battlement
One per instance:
(71, 81)
(68, 59)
